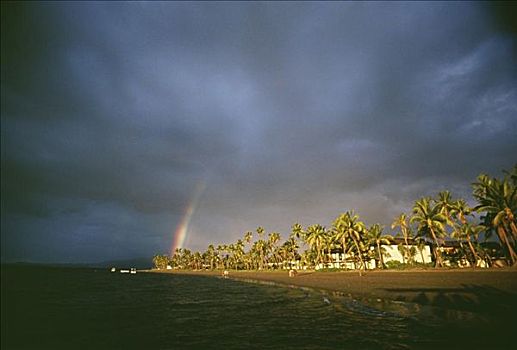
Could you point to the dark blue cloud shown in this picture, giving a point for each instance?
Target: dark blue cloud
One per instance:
(113, 113)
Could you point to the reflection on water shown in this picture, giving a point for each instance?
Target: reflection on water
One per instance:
(81, 308)
(384, 307)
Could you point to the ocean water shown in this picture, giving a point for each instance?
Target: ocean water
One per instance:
(65, 308)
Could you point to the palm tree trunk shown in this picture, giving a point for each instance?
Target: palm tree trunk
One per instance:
(422, 255)
(318, 257)
(343, 242)
(360, 255)
(322, 256)
(471, 247)
(514, 229)
(437, 252)
(502, 235)
(513, 235)
(380, 255)
(511, 219)
(406, 251)
(463, 251)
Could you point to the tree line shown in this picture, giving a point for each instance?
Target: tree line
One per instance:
(432, 221)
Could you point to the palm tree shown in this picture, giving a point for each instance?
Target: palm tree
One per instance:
(175, 258)
(248, 237)
(329, 244)
(448, 207)
(342, 229)
(197, 261)
(297, 232)
(421, 242)
(375, 236)
(261, 247)
(316, 237)
(462, 210)
(402, 222)
(295, 237)
(308, 258)
(283, 255)
(468, 232)
(255, 256)
(498, 200)
(430, 222)
(341, 233)
(273, 239)
(238, 254)
(289, 249)
(211, 256)
(446, 204)
(222, 257)
(260, 232)
(160, 261)
(455, 210)
(465, 230)
(247, 260)
(186, 258)
(354, 230)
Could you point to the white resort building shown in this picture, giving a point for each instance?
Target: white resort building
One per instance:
(391, 252)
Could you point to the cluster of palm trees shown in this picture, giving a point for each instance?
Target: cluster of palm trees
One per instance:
(432, 221)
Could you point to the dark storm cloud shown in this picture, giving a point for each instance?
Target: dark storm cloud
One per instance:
(113, 113)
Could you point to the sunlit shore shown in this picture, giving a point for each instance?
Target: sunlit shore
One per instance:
(467, 289)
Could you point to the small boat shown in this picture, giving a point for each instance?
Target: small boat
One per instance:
(131, 271)
(113, 269)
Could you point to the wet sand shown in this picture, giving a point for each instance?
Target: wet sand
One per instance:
(493, 291)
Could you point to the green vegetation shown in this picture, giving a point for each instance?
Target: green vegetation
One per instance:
(397, 265)
(433, 221)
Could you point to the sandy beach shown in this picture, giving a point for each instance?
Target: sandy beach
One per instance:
(471, 290)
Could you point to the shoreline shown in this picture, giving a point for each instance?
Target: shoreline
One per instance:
(492, 292)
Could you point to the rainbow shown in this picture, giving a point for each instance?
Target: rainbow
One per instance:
(181, 232)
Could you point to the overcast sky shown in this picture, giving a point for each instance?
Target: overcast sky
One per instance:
(114, 113)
